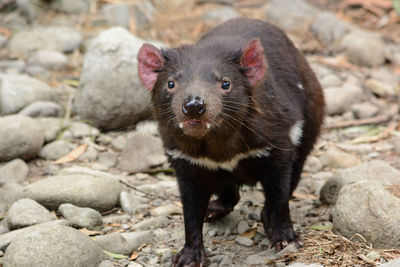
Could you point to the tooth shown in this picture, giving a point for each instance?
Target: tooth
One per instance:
(208, 125)
(181, 125)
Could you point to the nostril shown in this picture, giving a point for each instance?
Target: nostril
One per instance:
(193, 106)
(184, 109)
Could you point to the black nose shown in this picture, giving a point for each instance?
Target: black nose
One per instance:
(193, 106)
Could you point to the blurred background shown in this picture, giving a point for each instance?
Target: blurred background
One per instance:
(77, 147)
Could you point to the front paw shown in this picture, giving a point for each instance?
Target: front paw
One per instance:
(190, 257)
(280, 237)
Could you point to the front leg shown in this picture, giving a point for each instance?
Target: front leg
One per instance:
(276, 214)
(194, 198)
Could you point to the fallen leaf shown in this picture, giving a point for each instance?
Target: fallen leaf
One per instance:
(304, 196)
(250, 233)
(73, 155)
(133, 256)
(89, 232)
(5, 32)
(320, 227)
(71, 82)
(115, 255)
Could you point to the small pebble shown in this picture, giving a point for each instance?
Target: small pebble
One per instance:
(244, 241)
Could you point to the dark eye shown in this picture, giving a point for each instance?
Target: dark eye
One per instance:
(225, 85)
(171, 84)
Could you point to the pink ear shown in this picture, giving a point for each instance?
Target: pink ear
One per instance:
(253, 60)
(150, 60)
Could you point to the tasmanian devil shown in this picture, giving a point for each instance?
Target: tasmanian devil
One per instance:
(240, 106)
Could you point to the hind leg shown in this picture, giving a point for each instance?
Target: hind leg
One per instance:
(225, 203)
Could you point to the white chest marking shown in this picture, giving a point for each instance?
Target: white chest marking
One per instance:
(296, 132)
(301, 87)
(228, 165)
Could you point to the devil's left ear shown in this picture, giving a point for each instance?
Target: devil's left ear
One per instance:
(253, 61)
(150, 60)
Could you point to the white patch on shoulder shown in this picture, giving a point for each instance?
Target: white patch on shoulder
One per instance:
(228, 165)
(296, 132)
(300, 85)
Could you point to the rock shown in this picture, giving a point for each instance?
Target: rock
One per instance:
(364, 48)
(110, 94)
(166, 210)
(119, 143)
(3, 40)
(18, 91)
(43, 109)
(143, 13)
(366, 208)
(117, 14)
(375, 170)
(15, 143)
(52, 127)
(130, 202)
(72, 6)
(114, 243)
(28, 9)
(108, 159)
(9, 193)
(27, 212)
(106, 263)
(339, 99)
(244, 241)
(151, 223)
(380, 88)
(138, 238)
(55, 150)
(227, 260)
(291, 15)
(328, 28)
(364, 110)
(81, 217)
(14, 171)
(393, 263)
(225, 226)
(262, 258)
(331, 80)
(49, 59)
(12, 66)
(335, 158)
(79, 186)
(79, 130)
(106, 140)
(90, 154)
(161, 234)
(7, 238)
(243, 226)
(298, 264)
(55, 245)
(142, 152)
(58, 38)
(313, 164)
(221, 14)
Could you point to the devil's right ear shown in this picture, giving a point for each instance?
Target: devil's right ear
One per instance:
(150, 60)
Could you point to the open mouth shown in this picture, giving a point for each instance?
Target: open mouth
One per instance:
(195, 128)
(194, 123)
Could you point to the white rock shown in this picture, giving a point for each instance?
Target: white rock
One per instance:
(14, 171)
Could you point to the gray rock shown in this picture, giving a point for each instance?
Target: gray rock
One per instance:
(79, 130)
(55, 150)
(262, 258)
(227, 260)
(72, 6)
(106, 263)
(143, 13)
(15, 143)
(90, 154)
(117, 14)
(166, 210)
(375, 170)
(28, 9)
(49, 246)
(110, 93)
(119, 142)
(151, 223)
(79, 186)
(331, 80)
(49, 59)
(138, 238)
(38, 72)
(43, 109)
(393, 263)
(225, 226)
(114, 243)
(81, 217)
(364, 48)
(291, 15)
(9, 193)
(7, 238)
(3, 40)
(364, 110)
(366, 208)
(244, 241)
(142, 152)
(298, 264)
(220, 14)
(313, 164)
(12, 66)
(108, 159)
(339, 99)
(27, 212)
(161, 234)
(14, 171)
(328, 28)
(243, 226)
(63, 39)
(380, 88)
(18, 91)
(52, 127)
(129, 202)
(335, 158)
